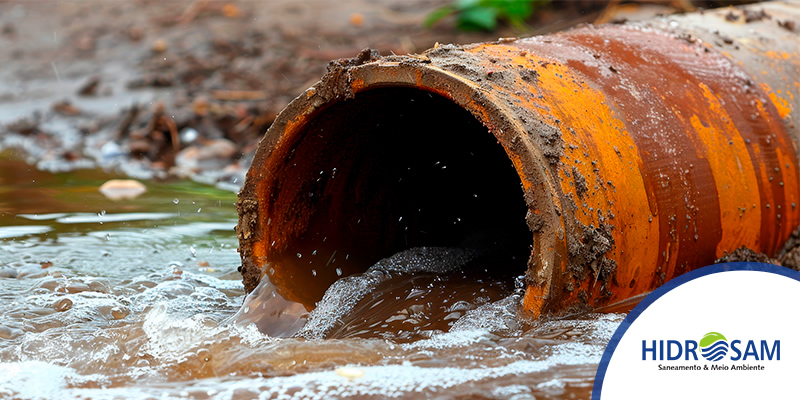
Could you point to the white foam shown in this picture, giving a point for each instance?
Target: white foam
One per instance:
(344, 294)
(87, 218)
(38, 380)
(22, 230)
(500, 316)
(214, 282)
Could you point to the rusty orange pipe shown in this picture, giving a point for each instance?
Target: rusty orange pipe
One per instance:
(644, 151)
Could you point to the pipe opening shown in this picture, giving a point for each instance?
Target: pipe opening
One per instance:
(391, 169)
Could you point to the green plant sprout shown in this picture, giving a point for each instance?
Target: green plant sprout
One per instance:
(473, 15)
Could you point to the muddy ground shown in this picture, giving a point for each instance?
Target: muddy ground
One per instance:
(187, 88)
(156, 89)
(164, 90)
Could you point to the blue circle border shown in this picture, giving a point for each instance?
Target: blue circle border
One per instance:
(656, 294)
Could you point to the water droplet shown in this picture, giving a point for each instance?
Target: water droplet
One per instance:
(299, 255)
(101, 213)
(193, 251)
(313, 253)
(176, 201)
(247, 309)
(198, 210)
(338, 272)
(314, 272)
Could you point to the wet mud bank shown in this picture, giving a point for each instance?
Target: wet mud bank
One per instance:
(610, 159)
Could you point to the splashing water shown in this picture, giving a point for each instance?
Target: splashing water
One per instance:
(122, 310)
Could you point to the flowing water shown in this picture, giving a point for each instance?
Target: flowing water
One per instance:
(141, 299)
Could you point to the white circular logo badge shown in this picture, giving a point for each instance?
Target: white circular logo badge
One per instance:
(723, 331)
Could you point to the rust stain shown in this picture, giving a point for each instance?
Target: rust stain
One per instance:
(783, 107)
(734, 176)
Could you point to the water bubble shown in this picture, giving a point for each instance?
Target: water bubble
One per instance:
(175, 200)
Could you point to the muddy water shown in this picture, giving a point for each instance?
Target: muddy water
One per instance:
(139, 299)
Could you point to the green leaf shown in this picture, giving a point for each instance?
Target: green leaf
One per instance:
(467, 4)
(437, 15)
(711, 338)
(511, 9)
(477, 18)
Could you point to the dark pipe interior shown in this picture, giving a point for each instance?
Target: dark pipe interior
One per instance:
(391, 169)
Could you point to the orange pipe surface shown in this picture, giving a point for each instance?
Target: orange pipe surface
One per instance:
(644, 151)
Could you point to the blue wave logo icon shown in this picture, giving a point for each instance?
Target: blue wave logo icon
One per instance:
(713, 346)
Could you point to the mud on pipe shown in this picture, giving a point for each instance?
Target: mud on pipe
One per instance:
(643, 151)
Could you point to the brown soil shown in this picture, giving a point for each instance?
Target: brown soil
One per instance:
(788, 256)
(186, 88)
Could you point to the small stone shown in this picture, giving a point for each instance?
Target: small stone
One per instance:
(209, 155)
(135, 33)
(231, 11)
(357, 19)
(122, 189)
(159, 46)
(350, 372)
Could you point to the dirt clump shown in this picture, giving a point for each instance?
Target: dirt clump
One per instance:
(788, 256)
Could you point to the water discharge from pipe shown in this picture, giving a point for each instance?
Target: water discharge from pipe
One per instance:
(602, 161)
